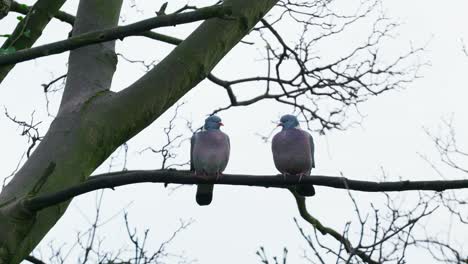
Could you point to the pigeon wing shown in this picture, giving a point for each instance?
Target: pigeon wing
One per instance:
(312, 150)
(192, 144)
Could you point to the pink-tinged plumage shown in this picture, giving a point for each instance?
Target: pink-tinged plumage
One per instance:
(209, 156)
(293, 152)
(210, 152)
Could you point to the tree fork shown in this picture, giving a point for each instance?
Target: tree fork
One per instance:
(80, 139)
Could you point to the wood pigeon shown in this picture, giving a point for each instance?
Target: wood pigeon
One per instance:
(209, 155)
(293, 152)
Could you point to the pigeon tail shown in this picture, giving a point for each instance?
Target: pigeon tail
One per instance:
(204, 194)
(305, 189)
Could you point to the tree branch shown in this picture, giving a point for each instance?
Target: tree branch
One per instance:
(301, 205)
(161, 37)
(176, 41)
(30, 28)
(24, 9)
(34, 260)
(70, 19)
(79, 140)
(182, 69)
(115, 179)
(113, 34)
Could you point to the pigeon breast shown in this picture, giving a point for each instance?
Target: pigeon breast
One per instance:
(210, 151)
(292, 151)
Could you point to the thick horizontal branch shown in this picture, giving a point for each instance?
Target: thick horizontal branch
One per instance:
(70, 19)
(114, 33)
(111, 180)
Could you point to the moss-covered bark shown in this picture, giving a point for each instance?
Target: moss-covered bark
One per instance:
(30, 28)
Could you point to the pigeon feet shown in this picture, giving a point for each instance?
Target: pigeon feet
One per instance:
(202, 175)
(285, 175)
(205, 176)
(301, 175)
(218, 176)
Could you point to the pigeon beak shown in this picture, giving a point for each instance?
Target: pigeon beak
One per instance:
(280, 125)
(221, 124)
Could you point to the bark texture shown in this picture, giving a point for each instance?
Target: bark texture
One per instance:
(67, 146)
(30, 28)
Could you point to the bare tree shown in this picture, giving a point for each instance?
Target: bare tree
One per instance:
(391, 229)
(89, 246)
(92, 121)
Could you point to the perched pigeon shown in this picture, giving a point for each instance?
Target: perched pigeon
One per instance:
(209, 155)
(293, 152)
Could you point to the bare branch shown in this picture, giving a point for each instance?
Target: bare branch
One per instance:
(25, 9)
(34, 260)
(321, 91)
(47, 85)
(300, 200)
(113, 34)
(70, 19)
(167, 152)
(29, 129)
(30, 28)
(115, 179)
(261, 253)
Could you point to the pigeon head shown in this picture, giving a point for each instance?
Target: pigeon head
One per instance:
(288, 122)
(212, 123)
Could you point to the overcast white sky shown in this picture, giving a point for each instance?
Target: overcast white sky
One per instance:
(240, 219)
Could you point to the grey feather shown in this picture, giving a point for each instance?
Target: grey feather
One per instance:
(209, 156)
